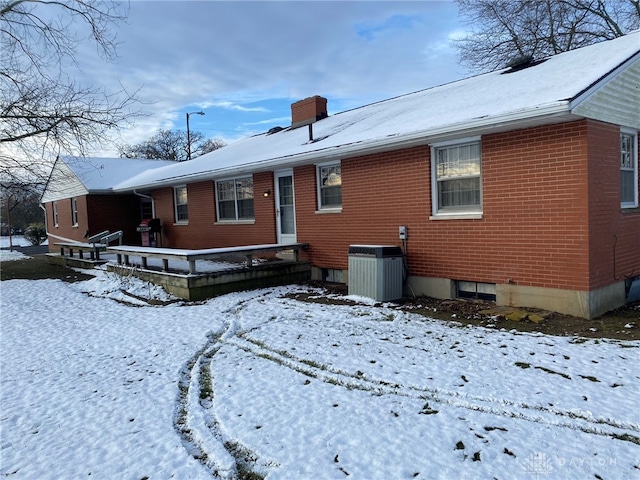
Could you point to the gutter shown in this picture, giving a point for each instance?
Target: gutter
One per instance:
(143, 195)
(596, 85)
(149, 197)
(558, 111)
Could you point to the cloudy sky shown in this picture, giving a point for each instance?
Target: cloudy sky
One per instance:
(244, 63)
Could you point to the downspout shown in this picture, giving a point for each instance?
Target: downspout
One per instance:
(153, 203)
(46, 221)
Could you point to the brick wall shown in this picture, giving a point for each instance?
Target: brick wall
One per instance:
(535, 229)
(614, 232)
(535, 225)
(65, 228)
(113, 213)
(379, 193)
(536, 206)
(96, 213)
(202, 231)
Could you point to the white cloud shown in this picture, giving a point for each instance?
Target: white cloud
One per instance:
(231, 106)
(458, 34)
(236, 56)
(270, 121)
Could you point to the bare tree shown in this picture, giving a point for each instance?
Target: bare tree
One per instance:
(207, 146)
(43, 110)
(502, 30)
(19, 208)
(171, 145)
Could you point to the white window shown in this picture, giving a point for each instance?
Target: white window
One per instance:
(235, 199)
(456, 177)
(181, 204)
(55, 214)
(74, 211)
(628, 169)
(329, 177)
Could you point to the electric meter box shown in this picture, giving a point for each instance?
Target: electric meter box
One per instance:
(376, 271)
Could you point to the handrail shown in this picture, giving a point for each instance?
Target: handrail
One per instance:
(107, 239)
(98, 237)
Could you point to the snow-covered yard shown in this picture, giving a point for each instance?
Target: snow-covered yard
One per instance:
(11, 255)
(15, 240)
(92, 387)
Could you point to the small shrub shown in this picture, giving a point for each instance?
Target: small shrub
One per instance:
(36, 233)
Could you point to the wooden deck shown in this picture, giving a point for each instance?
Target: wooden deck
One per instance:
(92, 248)
(94, 245)
(124, 252)
(189, 283)
(195, 285)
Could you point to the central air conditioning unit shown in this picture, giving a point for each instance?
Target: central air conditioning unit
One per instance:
(375, 271)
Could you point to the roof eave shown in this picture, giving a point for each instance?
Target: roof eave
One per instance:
(541, 115)
(585, 94)
(102, 191)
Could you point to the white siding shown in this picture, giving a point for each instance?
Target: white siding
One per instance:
(617, 101)
(62, 184)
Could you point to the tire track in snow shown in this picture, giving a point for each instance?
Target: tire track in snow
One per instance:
(198, 438)
(194, 418)
(495, 406)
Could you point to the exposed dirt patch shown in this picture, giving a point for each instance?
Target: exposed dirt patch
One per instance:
(623, 323)
(37, 268)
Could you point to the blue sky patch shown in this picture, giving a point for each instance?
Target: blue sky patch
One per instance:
(370, 31)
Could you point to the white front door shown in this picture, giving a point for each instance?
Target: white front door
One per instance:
(285, 208)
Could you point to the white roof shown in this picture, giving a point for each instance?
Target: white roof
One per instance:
(544, 93)
(74, 176)
(102, 174)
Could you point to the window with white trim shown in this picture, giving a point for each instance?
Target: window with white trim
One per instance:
(456, 177)
(181, 204)
(235, 199)
(74, 211)
(55, 214)
(329, 178)
(628, 169)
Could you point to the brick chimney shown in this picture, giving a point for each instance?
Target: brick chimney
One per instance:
(309, 110)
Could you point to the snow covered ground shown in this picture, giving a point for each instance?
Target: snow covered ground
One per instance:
(7, 255)
(10, 255)
(16, 241)
(95, 387)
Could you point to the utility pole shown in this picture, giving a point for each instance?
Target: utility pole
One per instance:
(189, 133)
(9, 223)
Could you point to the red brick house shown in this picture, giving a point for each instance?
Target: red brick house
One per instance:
(79, 199)
(519, 185)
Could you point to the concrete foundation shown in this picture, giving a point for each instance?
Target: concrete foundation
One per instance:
(204, 285)
(441, 288)
(570, 302)
(330, 275)
(582, 304)
(73, 262)
(207, 285)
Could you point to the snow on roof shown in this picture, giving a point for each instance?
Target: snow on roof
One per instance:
(74, 176)
(549, 88)
(102, 174)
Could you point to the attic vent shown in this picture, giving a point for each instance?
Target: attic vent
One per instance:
(275, 130)
(521, 62)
